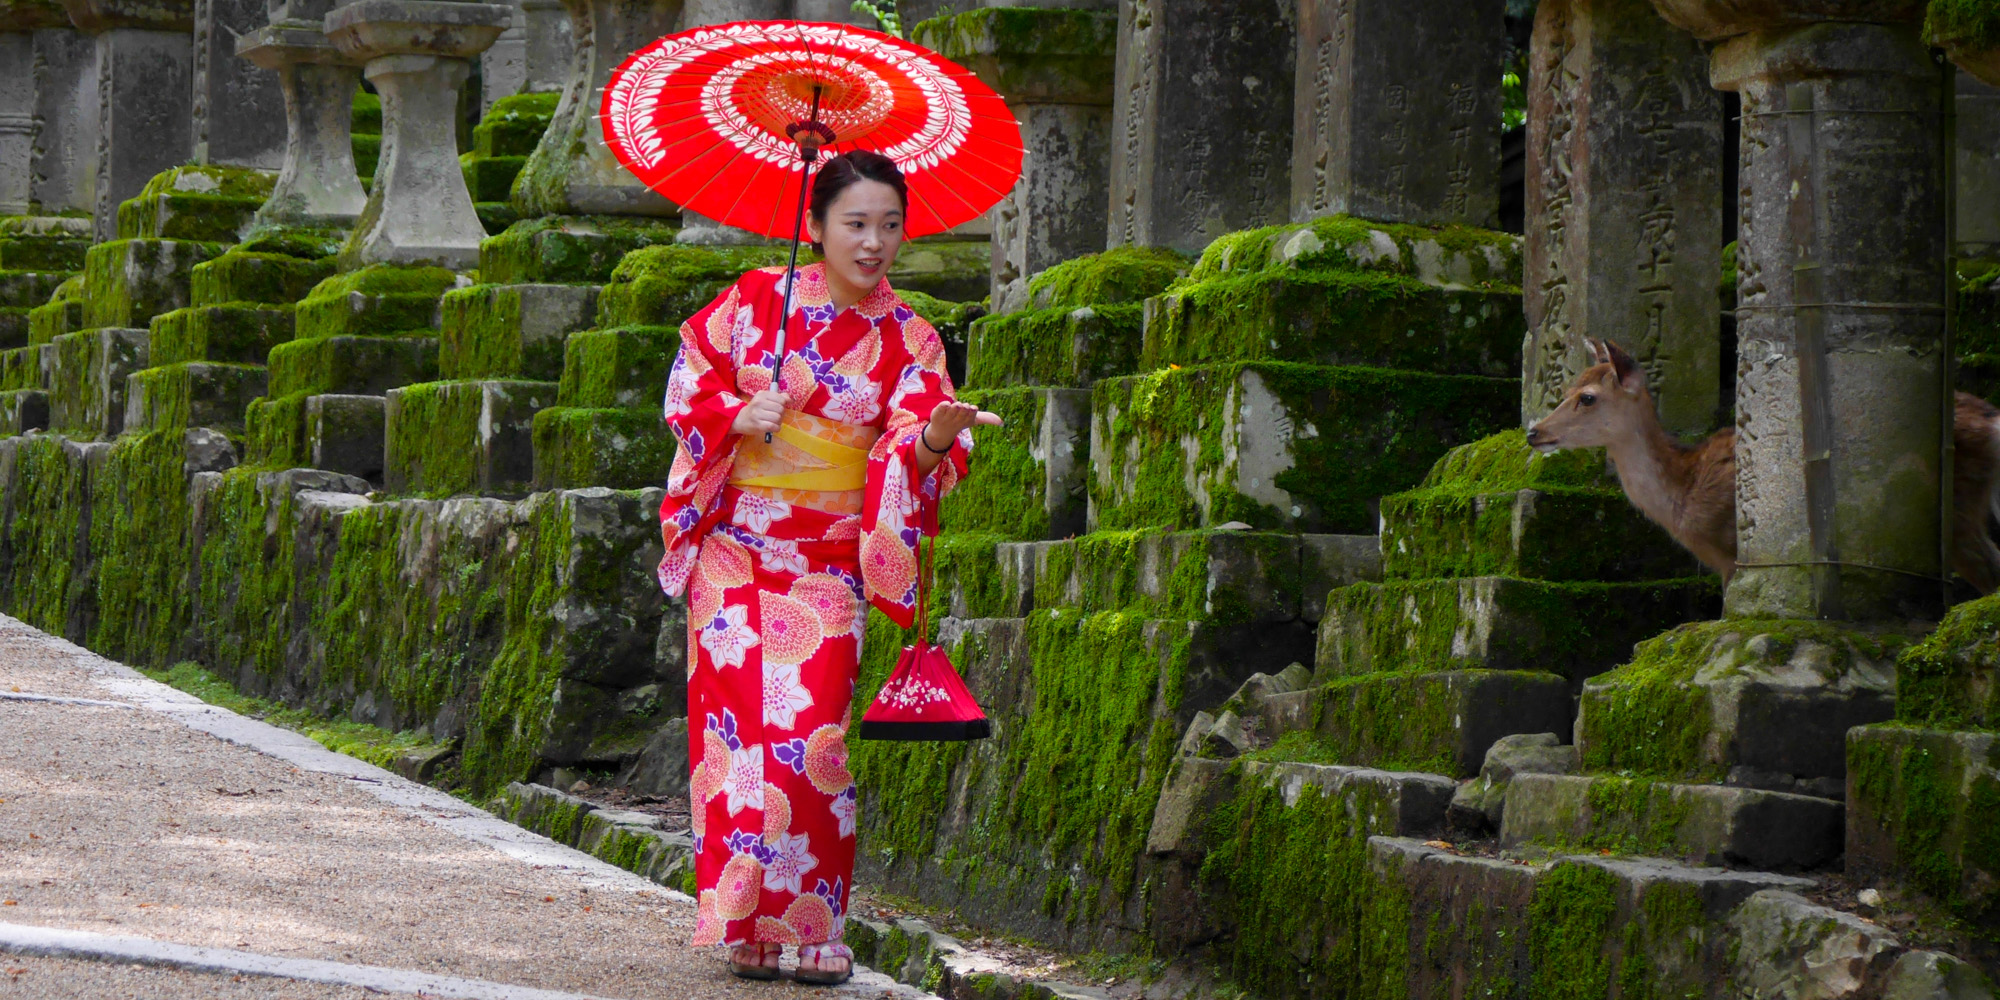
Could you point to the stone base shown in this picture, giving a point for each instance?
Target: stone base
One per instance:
(62, 314)
(1031, 483)
(1762, 703)
(375, 300)
(513, 331)
(27, 367)
(43, 243)
(240, 333)
(130, 281)
(14, 323)
(1573, 630)
(87, 393)
(23, 410)
(1921, 806)
(1062, 346)
(240, 276)
(462, 437)
(1699, 824)
(363, 365)
(346, 434)
(664, 285)
(191, 394)
(1259, 442)
(1437, 722)
(624, 367)
(566, 248)
(30, 288)
(1536, 534)
(623, 449)
(212, 204)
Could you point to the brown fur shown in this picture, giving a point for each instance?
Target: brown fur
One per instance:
(1690, 490)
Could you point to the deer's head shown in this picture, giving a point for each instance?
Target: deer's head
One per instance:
(1608, 401)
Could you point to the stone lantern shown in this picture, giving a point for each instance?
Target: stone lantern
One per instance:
(416, 54)
(317, 185)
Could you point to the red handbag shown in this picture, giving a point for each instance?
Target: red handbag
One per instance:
(924, 699)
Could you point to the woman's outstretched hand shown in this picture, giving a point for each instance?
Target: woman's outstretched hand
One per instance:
(761, 414)
(941, 434)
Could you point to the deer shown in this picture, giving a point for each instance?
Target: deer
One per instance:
(1690, 489)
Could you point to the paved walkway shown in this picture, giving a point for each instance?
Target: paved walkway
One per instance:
(155, 846)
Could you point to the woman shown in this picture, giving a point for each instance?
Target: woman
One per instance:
(781, 547)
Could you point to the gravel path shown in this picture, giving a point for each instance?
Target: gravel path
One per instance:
(130, 822)
(22, 978)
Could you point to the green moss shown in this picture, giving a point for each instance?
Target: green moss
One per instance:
(1006, 491)
(303, 242)
(1962, 24)
(620, 367)
(379, 300)
(664, 285)
(367, 365)
(367, 113)
(48, 581)
(489, 178)
(128, 282)
(1460, 254)
(1383, 429)
(1119, 276)
(1571, 917)
(514, 124)
(274, 431)
(42, 252)
(566, 248)
(1029, 46)
(21, 368)
(1948, 681)
(238, 332)
(377, 746)
(1926, 794)
(620, 448)
(63, 313)
(1060, 346)
(249, 276)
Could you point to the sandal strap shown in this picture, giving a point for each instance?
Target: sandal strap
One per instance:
(826, 950)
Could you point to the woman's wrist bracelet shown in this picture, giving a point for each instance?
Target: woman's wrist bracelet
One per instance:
(925, 436)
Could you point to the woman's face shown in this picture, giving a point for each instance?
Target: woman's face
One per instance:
(861, 234)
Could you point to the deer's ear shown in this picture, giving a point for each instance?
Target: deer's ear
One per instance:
(1630, 376)
(1597, 354)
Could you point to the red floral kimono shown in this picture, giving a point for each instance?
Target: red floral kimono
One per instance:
(780, 548)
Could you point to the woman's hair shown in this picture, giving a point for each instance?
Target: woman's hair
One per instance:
(848, 169)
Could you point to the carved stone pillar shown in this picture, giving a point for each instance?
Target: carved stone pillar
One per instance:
(239, 118)
(143, 96)
(1978, 167)
(1191, 162)
(531, 56)
(61, 168)
(416, 54)
(1396, 111)
(17, 120)
(1624, 206)
(317, 184)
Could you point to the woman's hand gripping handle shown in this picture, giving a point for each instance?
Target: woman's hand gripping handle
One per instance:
(761, 415)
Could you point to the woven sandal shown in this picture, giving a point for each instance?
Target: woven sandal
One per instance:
(817, 953)
(767, 951)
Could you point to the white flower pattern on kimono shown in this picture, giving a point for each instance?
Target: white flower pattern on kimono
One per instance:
(744, 784)
(784, 696)
(742, 333)
(857, 405)
(789, 860)
(729, 636)
(843, 811)
(780, 555)
(682, 384)
(756, 512)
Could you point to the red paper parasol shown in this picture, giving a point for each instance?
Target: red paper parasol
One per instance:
(720, 120)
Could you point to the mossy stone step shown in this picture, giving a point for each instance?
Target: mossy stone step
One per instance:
(624, 367)
(1275, 445)
(345, 433)
(1395, 802)
(23, 410)
(193, 202)
(463, 436)
(1572, 630)
(1951, 680)
(664, 285)
(253, 276)
(489, 178)
(1921, 806)
(30, 288)
(366, 365)
(1126, 275)
(1440, 722)
(27, 367)
(1028, 476)
(1717, 825)
(87, 392)
(512, 331)
(495, 216)
(236, 332)
(63, 313)
(1760, 702)
(14, 327)
(127, 282)
(30, 252)
(1060, 346)
(1444, 257)
(948, 269)
(191, 394)
(1222, 576)
(379, 300)
(576, 447)
(566, 248)
(512, 137)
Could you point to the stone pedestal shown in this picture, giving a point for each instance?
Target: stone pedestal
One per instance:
(531, 56)
(416, 53)
(239, 118)
(1054, 67)
(17, 120)
(1396, 111)
(143, 98)
(1201, 120)
(317, 184)
(700, 230)
(572, 172)
(65, 75)
(1978, 167)
(1841, 400)
(1624, 206)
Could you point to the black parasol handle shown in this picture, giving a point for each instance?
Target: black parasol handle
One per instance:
(809, 136)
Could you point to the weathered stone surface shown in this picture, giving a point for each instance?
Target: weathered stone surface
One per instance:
(1573, 630)
(132, 281)
(1977, 135)
(1930, 975)
(239, 333)
(566, 248)
(17, 120)
(144, 111)
(317, 183)
(23, 410)
(1699, 824)
(1624, 206)
(1920, 806)
(1250, 442)
(257, 276)
(1951, 680)
(662, 768)
(1189, 164)
(1396, 113)
(531, 56)
(205, 203)
(513, 331)
(1441, 722)
(237, 106)
(346, 434)
(1760, 703)
(65, 76)
(576, 447)
(191, 394)
(461, 437)
(1711, 20)
(1033, 486)
(379, 300)
(87, 394)
(365, 365)
(415, 53)
(1787, 946)
(1840, 125)
(1479, 805)
(43, 243)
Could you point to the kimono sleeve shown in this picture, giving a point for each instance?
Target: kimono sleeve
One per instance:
(700, 408)
(891, 522)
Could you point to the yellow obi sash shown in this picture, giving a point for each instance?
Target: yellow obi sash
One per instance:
(820, 463)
